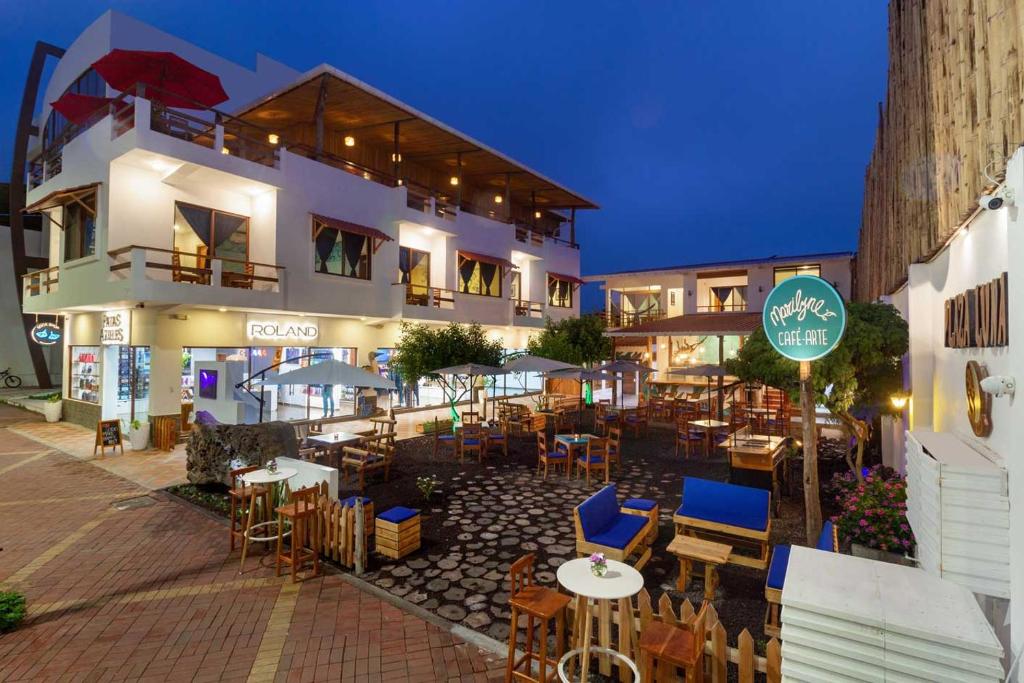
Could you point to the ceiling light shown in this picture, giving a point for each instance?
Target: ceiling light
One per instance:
(350, 141)
(497, 199)
(223, 310)
(536, 214)
(177, 227)
(366, 175)
(396, 157)
(454, 180)
(273, 139)
(225, 150)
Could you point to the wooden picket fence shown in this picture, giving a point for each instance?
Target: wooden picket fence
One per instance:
(339, 529)
(719, 657)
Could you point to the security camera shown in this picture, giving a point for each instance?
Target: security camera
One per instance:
(996, 200)
(998, 385)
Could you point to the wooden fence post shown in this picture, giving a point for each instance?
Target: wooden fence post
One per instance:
(360, 537)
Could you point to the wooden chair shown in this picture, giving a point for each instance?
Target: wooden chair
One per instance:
(497, 436)
(596, 458)
(442, 438)
(239, 280)
(615, 448)
(686, 436)
(520, 419)
(547, 459)
(539, 604)
(363, 461)
(637, 419)
(471, 440)
(602, 526)
(471, 418)
(605, 416)
(196, 275)
(672, 646)
(240, 495)
(302, 516)
(828, 541)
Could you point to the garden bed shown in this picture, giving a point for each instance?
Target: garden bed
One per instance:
(484, 516)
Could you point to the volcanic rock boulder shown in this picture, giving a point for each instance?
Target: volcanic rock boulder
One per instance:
(212, 449)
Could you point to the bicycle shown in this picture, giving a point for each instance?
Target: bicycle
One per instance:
(10, 381)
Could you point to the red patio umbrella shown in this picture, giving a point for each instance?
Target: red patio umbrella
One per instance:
(77, 108)
(176, 82)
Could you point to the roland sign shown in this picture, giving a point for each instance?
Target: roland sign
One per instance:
(282, 330)
(804, 318)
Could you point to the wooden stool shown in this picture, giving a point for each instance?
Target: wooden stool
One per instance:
(240, 495)
(689, 549)
(535, 602)
(674, 646)
(302, 515)
(398, 532)
(644, 508)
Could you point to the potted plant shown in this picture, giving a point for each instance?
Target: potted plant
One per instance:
(873, 514)
(138, 434)
(52, 408)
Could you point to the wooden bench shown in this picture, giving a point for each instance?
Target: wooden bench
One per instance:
(602, 527)
(737, 515)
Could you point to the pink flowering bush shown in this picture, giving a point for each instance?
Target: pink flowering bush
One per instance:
(873, 512)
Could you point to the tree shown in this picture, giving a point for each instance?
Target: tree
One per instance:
(422, 349)
(579, 341)
(854, 381)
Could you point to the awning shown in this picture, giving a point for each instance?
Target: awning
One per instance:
(62, 197)
(568, 278)
(496, 260)
(694, 325)
(379, 237)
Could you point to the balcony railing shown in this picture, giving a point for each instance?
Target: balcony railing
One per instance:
(205, 271)
(722, 308)
(522, 308)
(432, 297)
(617, 319)
(38, 282)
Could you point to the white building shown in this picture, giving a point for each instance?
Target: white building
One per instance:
(310, 201)
(966, 498)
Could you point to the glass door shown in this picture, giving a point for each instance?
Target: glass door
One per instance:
(414, 273)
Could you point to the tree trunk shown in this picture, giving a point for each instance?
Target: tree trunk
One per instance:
(812, 502)
(861, 432)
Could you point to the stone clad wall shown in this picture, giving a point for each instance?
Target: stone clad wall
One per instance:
(953, 105)
(211, 449)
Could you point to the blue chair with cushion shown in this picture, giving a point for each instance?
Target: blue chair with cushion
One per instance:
(603, 527)
(828, 541)
(444, 438)
(737, 515)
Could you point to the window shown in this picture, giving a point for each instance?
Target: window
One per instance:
(787, 272)
(559, 292)
(84, 373)
(516, 285)
(338, 252)
(89, 83)
(79, 222)
(201, 233)
(479, 277)
(414, 273)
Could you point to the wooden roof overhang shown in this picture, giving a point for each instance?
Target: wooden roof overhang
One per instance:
(377, 237)
(354, 108)
(61, 197)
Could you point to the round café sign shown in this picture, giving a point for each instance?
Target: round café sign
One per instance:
(804, 318)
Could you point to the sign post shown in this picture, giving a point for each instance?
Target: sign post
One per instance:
(804, 319)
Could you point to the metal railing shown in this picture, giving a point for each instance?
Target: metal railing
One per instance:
(628, 319)
(521, 308)
(722, 308)
(199, 270)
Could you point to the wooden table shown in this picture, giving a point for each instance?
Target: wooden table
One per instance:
(689, 550)
(709, 427)
(758, 453)
(573, 442)
(262, 477)
(336, 441)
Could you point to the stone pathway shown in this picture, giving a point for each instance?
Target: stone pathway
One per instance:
(123, 584)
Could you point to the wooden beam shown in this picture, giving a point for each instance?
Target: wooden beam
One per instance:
(396, 155)
(572, 226)
(17, 192)
(318, 115)
(508, 197)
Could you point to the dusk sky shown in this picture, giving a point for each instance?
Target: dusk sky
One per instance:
(705, 131)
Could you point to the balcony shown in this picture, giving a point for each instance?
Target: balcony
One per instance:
(428, 297)
(617, 319)
(40, 282)
(719, 307)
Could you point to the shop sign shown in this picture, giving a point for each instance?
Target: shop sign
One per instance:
(282, 330)
(46, 334)
(804, 318)
(116, 328)
(977, 318)
(979, 403)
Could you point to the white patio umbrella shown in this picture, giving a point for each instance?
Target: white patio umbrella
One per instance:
(537, 364)
(330, 371)
(707, 371)
(581, 375)
(621, 367)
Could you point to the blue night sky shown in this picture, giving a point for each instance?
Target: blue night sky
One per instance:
(705, 130)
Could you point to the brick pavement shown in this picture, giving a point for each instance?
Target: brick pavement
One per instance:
(149, 593)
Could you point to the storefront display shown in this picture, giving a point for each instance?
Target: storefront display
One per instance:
(85, 373)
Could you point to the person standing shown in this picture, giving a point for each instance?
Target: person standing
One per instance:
(328, 398)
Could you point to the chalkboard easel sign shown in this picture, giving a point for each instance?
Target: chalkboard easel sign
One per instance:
(108, 435)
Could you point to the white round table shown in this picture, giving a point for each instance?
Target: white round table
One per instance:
(620, 582)
(261, 477)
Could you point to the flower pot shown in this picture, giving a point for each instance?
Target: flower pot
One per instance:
(52, 410)
(858, 550)
(139, 438)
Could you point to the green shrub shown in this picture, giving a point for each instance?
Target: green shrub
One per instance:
(12, 610)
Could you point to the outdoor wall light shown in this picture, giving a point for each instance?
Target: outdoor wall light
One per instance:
(350, 141)
(899, 400)
(273, 139)
(396, 157)
(999, 385)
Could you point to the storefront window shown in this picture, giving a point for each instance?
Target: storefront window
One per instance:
(337, 252)
(85, 373)
(133, 374)
(787, 272)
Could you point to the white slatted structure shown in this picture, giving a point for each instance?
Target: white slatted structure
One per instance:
(959, 508)
(847, 618)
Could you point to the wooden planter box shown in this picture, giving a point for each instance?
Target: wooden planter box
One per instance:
(398, 540)
(428, 427)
